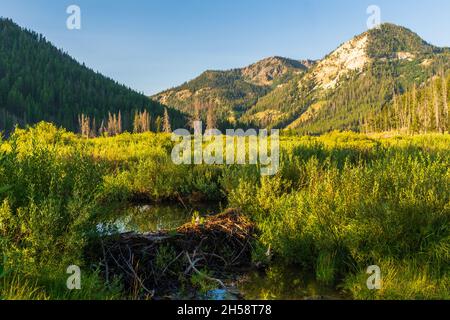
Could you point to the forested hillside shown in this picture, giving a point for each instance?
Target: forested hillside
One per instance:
(419, 110)
(231, 93)
(353, 86)
(384, 79)
(40, 82)
(363, 99)
(226, 90)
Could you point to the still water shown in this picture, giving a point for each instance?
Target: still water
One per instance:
(281, 282)
(277, 282)
(155, 217)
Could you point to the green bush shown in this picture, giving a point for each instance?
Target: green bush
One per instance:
(339, 203)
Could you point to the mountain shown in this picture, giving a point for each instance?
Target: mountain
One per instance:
(40, 82)
(382, 79)
(358, 79)
(350, 87)
(274, 70)
(234, 91)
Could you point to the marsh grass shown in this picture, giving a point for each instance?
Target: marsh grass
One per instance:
(340, 202)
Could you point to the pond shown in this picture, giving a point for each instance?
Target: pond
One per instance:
(281, 282)
(278, 282)
(155, 217)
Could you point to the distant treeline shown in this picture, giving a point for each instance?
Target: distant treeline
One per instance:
(379, 100)
(113, 125)
(418, 110)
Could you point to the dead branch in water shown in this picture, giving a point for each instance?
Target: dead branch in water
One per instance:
(161, 262)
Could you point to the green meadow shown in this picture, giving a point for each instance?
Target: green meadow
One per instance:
(340, 202)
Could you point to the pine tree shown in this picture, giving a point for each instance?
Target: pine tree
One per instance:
(47, 86)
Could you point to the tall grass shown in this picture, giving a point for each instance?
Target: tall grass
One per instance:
(342, 212)
(340, 202)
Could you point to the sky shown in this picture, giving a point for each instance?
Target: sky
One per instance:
(153, 45)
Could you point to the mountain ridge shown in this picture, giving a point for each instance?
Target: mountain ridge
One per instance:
(233, 91)
(390, 55)
(345, 90)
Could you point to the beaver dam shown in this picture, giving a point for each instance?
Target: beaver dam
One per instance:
(194, 257)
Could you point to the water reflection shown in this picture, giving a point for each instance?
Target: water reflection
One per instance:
(220, 295)
(285, 283)
(152, 218)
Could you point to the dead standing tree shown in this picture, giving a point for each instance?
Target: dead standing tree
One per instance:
(114, 125)
(444, 101)
(166, 122)
(211, 120)
(87, 127)
(196, 114)
(141, 122)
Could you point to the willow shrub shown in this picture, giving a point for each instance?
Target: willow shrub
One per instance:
(338, 221)
(340, 202)
(47, 211)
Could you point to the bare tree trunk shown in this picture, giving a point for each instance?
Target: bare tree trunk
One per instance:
(85, 127)
(426, 123)
(197, 113)
(158, 122)
(141, 122)
(114, 126)
(211, 117)
(396, 113)
(102, 130)
(444, 101)
(166, 122)
(119, 124)
(436, 108)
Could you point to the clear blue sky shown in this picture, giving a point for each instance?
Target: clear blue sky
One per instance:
(152, 45)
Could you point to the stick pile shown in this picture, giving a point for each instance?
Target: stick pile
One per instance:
(157, 264)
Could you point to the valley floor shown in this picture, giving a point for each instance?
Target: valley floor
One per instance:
(340, 203)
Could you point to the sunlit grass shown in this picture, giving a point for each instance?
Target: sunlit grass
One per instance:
(340, 202)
